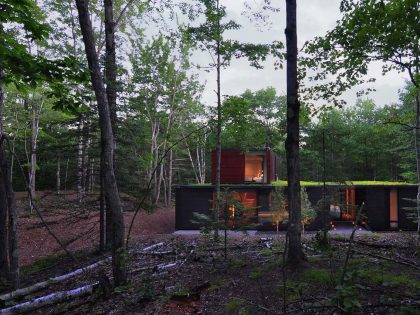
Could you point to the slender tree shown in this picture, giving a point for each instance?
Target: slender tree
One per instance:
(107, 140)
(210, 36)
(19, 66)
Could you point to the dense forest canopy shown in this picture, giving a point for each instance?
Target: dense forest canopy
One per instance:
(159, 103)
(106, 99)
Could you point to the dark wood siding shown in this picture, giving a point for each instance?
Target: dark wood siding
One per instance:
(232, 167)
(377, 208)
(188, 201)
(269, 158)
(406, 193)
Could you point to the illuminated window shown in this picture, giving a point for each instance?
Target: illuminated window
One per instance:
(393, 208)
(254, 168)
(240, 207)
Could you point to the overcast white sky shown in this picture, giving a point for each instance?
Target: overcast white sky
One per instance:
(314, 18)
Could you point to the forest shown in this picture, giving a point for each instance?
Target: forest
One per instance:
(108, 107)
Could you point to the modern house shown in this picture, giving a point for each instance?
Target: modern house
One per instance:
(250, 178)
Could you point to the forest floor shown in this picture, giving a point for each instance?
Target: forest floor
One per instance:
(77, 225)
(189, 274)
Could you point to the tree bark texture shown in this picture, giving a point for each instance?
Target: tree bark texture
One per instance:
(295, 252)
(9, 255)
(218, 135)
(58, 176)
(417, 144)
(80, 159)
(107, 139)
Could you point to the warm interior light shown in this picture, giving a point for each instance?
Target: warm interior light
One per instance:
(236, 214)
(254, 168)
(393, 208)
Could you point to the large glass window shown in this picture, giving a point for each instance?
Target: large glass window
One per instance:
(254, 168)
(239, 207)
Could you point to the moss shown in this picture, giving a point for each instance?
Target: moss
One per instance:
(391, 280)
(237, 263)
(319, 277)
(43, 263)
(233, 306)
(217, 285)
(266, 252)
(256, 274)
(304, 183)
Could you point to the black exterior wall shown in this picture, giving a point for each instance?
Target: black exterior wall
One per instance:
(403, 193)
(376, 208)
(190, 199)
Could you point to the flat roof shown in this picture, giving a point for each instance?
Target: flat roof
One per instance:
(283, 183)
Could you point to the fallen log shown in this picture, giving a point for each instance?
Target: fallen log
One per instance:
(387, 258)
(49, 299)
(151, 247)
(42, 285)
(369, 244)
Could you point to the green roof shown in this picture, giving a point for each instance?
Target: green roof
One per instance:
(348, 183)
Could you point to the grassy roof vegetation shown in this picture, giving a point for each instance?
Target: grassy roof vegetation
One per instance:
(347, 183)
(283, 183)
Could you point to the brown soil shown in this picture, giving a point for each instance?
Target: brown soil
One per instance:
(77, 227)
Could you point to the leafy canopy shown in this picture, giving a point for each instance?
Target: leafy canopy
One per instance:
(370, 30)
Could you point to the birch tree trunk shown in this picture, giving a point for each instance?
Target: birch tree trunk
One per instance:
(170, 174)
(58, 176)
(36, 111)
(295, 252)
(80, 159)
(107, 139)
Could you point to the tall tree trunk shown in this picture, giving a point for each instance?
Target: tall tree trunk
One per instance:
(295, 253)
(58, 176)
(170, 175)
(218, 135)
(417, 144)
(8, 216)
(107, 139)
(4, 209)
(104, 229)
(34, 142)
(80, 150)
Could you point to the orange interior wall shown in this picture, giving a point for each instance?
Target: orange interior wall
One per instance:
(254, 167)
(393, 207)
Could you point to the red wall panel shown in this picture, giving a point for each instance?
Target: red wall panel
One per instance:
(232, 167)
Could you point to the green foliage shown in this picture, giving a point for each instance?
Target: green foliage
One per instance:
(15, 59)
(237, 263)
(253, 119)
(347, 295)
(307, 211)
(180, 292)
(208, 36)
(319, 277)
(368, 31)
(413, 212)
(128, 288)
(278, 207)
(256, 274)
